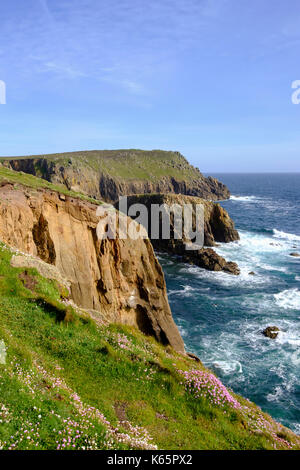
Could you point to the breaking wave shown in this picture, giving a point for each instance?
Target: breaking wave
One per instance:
(286, 236)
(289, 298)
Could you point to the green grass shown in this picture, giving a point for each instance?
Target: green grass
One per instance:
(24, 179)
(63, 374)
(124, 164)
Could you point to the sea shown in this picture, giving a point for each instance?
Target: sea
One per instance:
(221, 317)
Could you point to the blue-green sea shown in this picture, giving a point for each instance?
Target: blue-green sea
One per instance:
(221, 316)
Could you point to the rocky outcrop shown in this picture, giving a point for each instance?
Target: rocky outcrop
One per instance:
(217, 227)
(271, 332)
(46, 270)
(109, 174)
(210, 260)
(121, 279)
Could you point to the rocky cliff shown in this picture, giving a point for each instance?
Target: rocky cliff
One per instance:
(217, 227)
(120, 279)
(109, 174)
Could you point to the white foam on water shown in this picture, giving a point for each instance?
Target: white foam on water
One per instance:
(258, 253)
(258, 243)
(285, 236)
(228, 367)
(288, 383)
(295, 427)
(225, 279)
(267, 203)
(182, 331)
(245, 198)
(166, 262)
(288, 299)
(187, 291)
(290, 337)
(269, 267)
(276, 395)
(253, 250)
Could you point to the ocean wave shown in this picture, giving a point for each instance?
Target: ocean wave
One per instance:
(244, 279)
(285, 236)
(257, 243)
(288, 299)
(245, 198)
(295, 427)
(292, 339)
(269, 267)
(287, 385)
(183, 331)
(277, 394)
(185, 292)
(228, 367)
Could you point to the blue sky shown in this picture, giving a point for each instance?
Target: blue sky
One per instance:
(209, 78)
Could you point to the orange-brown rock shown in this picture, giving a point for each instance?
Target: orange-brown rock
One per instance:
(120, 278)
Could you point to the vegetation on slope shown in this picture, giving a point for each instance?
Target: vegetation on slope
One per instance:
(125, 164)
(71, 384)
(25, 179)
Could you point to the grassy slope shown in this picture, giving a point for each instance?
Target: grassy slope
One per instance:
(128, 164)
(24, 179)
(63, 373)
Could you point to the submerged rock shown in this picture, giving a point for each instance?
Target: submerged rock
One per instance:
(271, 332)
(295, 254)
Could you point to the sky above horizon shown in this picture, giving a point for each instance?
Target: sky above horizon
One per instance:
(209, 78)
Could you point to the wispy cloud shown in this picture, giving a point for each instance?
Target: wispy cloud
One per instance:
(63, 70)
(122, 43)
(45, 9)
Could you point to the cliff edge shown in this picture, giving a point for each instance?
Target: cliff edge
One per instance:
(108, 174)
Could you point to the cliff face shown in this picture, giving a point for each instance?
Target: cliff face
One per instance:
(121, 279)
(218, 227)
(110, 174)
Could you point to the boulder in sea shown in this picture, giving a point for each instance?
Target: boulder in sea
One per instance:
(271, 332)
(252, 273)
(295, 254)
(232, 268)
(207, 258)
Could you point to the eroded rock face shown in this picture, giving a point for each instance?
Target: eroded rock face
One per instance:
(218, 227)
(121, 279)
